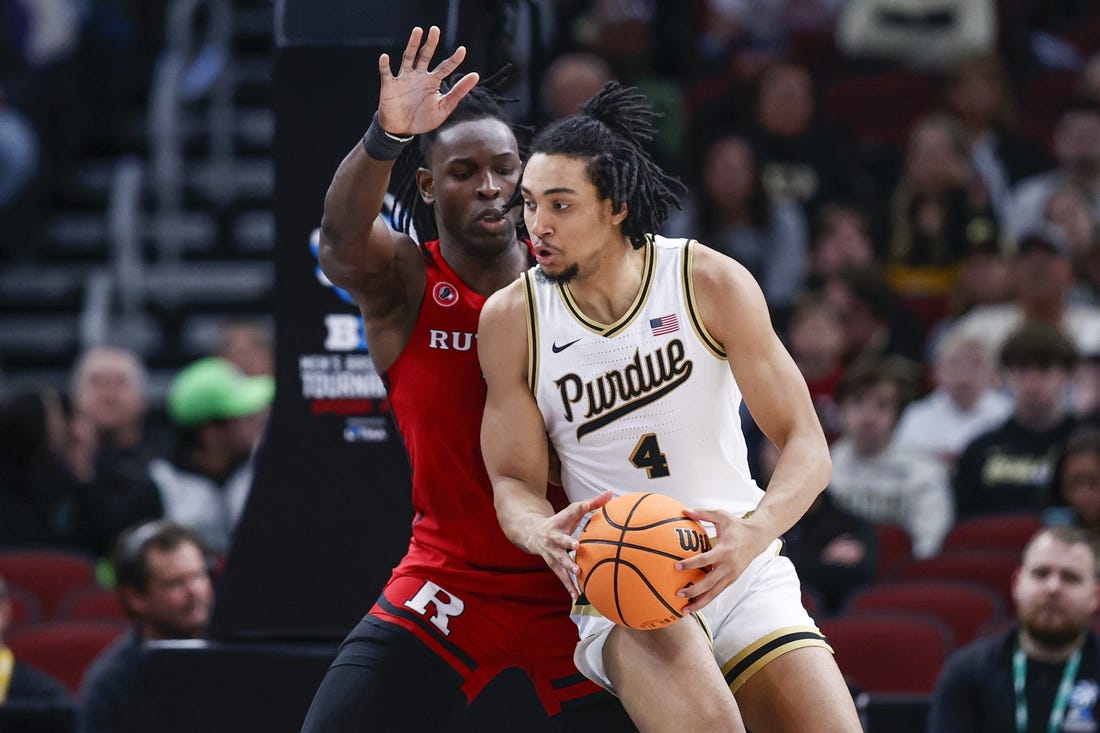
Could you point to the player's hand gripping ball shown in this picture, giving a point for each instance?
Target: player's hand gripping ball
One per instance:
(627, 558)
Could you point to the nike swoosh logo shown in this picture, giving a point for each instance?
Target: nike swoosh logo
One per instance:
(558, 349)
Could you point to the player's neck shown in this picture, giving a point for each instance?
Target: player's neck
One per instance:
(608, 287)
(485, 274)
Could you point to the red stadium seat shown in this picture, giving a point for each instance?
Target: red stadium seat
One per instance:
(894, 548)
(48, 574)
(24, 606)
(964, 608)
(64, 649)
(889, 652)
(994, 532)
(991, 568)
(89, 604)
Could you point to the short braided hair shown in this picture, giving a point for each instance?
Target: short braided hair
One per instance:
(611, 131)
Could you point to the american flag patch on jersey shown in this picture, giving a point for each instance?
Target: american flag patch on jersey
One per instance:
(664, 324)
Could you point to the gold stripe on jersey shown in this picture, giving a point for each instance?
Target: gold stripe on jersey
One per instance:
(757, 655)
(532, 332)
(649, 269)
(709, 341)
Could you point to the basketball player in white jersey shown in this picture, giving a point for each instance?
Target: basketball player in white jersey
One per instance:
(632, 352)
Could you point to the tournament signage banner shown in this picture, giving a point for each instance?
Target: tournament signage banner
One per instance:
(329, 512)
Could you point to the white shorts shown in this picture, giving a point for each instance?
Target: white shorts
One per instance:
(755, 620)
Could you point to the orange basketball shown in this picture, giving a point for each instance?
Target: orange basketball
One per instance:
(627, 559)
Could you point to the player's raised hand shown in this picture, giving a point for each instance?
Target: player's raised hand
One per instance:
(410, 102)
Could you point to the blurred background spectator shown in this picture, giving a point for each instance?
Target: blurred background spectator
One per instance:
(163, 583)
(874, 476)
(221, 415)
(1009, 468)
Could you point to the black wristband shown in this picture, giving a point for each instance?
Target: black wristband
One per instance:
(380, 144)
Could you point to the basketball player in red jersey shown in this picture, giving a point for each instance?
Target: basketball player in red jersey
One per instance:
(464, 603)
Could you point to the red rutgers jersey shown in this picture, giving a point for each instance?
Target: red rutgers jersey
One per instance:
(436, 389)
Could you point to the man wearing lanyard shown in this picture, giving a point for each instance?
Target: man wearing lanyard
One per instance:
(1044, 675)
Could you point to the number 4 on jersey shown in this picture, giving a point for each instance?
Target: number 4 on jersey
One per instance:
(647, 454)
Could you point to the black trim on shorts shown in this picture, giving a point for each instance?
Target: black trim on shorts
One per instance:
(573, 679)
(416, 618)
(772, 645)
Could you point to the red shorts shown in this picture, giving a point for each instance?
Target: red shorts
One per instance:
(481, 635)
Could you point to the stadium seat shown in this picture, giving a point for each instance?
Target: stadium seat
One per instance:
(24, 607)
(48, 574)
(894, 548)
(994, 532)
(90, 604)
(991, 568)
(889, 651)
(963, 607)
(64, 649)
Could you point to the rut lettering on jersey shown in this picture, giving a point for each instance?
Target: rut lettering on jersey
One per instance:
(446, 605)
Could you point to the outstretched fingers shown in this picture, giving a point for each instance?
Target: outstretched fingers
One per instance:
(424, 57)
(451, 99)
(408, 58)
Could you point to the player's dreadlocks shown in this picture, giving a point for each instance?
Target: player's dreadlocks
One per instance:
(611, 131)
(412, 213)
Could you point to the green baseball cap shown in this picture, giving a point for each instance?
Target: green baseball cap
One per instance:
(215, 389)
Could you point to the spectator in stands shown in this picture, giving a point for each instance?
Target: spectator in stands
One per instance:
(876, 478)
(108, 390)
(250, 346)
(1069, 212)
(163, 583)
(913, 34)
(754, 33)
(1075, 489)
(815, 338)
(221, 415)
(1076, 146)
(979, 97)
(940, 210)
(1044, 673)
(834, 551)
(841, 241)
(19, 682)
(984, 278)
(963, 405)
(1009, 468)
(571, 80)
(736, 215)
(800, 158)
(1042, 279)
(38, 491)
(875, 322)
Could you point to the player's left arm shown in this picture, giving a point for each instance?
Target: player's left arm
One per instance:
(733, 310)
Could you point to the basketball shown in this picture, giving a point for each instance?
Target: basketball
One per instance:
(627, 559)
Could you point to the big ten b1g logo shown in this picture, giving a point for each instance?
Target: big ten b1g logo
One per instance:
(343, 380)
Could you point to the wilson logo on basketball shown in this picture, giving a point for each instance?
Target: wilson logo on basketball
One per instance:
(445, 294)
(691, 541)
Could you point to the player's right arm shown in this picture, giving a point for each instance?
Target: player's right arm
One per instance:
(359, 253)
(513, 441)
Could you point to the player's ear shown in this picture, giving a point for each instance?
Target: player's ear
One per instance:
(425, 183)
(618, 217)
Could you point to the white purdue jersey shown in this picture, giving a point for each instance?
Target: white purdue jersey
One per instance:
(647, 403)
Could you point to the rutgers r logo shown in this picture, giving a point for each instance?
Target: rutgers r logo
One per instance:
(691, 541)
(445, 294)
(445, 605)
